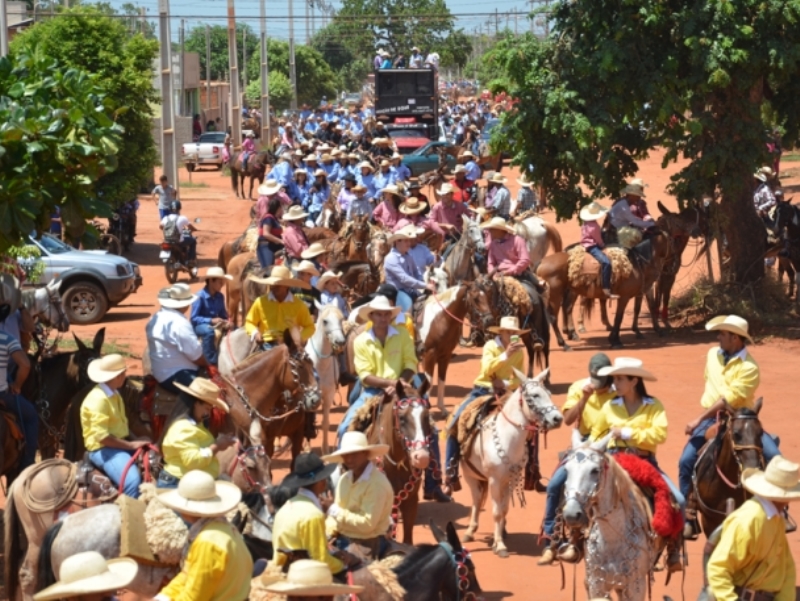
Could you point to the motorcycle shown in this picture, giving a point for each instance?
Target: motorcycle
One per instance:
(175, 259)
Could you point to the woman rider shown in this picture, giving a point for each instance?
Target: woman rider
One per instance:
(270, 232)
(187, 443)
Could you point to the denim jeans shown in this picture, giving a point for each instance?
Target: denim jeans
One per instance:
(364, 392)
(404, 301)
(555, 488)
(190, 244)
(163, 213)
(432, 483)
(28, 421)
(605, 265)
(166, 480)
(451, 447)
(184, 376)
(113, 462)
(207, 332)
(266, 257)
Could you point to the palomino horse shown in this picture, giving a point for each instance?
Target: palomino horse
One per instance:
(460, 263)
(495, 465)
(45, 303)
(323, 346)
(256, 166)
(539, 237)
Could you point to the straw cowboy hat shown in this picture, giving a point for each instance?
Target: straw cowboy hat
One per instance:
(327, 277)
(635, 187)
(467, 153)
(216, 273)
(496, 178)
(407, 232)
(412, 206)
(779, 482)
(206, 391)
(497, 223)
(316, 249)
(730, 323)
(392, 189)
(459, 169)
(395, 157)
(356, 442)
(106, 368)
(89, 573)
(379, 303)
(523, 181)
(294, 213)
(308, 469)
(627, 366)
(310, 578)
(301, 171)
(381, 141)
(199, 495)
(306, 266)
(176, 296)
(359, 189)
(445, 189)
(269, 187)
(319, 173)
(366, 165)
(326, 157)
(311, 157)
(385, 163)
(508, 324)
(280, 276)
(592, 212)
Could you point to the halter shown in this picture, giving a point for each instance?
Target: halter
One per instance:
(459, 560)
(587, 502)
(318, 353)
(737, 448)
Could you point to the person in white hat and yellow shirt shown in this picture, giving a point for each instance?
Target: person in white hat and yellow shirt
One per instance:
(209, 313)
(592, 241)
(307, 580)
(88, 576)
(105, 425)
(217, 565)
(752, 560)
(732, 377)
(175, 353)
(622, 213)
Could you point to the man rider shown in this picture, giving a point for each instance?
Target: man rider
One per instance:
(278, 310)
(447, 213)
(622, 214)
(178, 228)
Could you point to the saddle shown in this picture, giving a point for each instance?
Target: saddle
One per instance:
(466, 428)
(12, 427)
(584, 270)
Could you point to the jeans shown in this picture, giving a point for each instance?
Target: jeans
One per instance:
(404, 301)
(364, 392)
(163, 213)
(207, 332)
(451, 447)
(166, 480)
(265, 256)
(113, 462)
(28, 420)
(695, 443)
(554, 490)
(605, 265)
(189, 244)
(184, 376)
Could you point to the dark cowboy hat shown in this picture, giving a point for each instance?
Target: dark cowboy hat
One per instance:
(349, 178)
(386, 290)
(308, 469)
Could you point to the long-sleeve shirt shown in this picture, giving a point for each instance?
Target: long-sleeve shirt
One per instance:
(271, 318)
(591, 410)
(387, 360)
(102, 415)
(282, 172)
(294, 239)
(451, 215)
(462, 190)
(326, 298)
(402, 173)
(368, 181)
(736, 381)
(644, 430)
(525, 201)
(386, 215)
(764, 199)
(621, 215)
(345, 198)
(383, 180)
(171, 343)
(187, 447)
(317, 198)
(362, 509)
(422, 255)
(753, 552)
(248, 145)
(591, 234)
(419, 221)
(501, 202)
(207, 307)
(473, 171)
(359, 206)
(497, 365)
(401, 272)
(509, 255)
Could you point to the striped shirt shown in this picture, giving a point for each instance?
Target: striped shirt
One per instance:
(8, 346)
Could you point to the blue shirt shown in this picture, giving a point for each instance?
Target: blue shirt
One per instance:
(311, 127)
(422, 255)
(402, 173)
(282, 172)
(317, 198)
(473, 171)
(207, 307)
(8, 346)
(402, 272)
(326, 298)
(357, 127)
(384, 179)
(368, 181)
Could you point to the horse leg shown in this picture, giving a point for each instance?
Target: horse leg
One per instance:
(552, 317)
(604, 315)
(569, 306)
(234, 180)
(637, 307)
(652, 306)
(441, 383)
(614, 338)
(328, 393)
(500, 495)
(582, 314)
(408, 509)
(477, 494)
(527, 339)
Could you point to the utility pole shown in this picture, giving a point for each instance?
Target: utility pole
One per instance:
(516, 23)
(182, 102)
(265, 117)
(547, 18)
(313, 18)
(496, 23)
(532, 16)
(169, 158)
(208, 67)
(292, 65)
(308, 23)
(3, 29)
(233, 61)
(142, 20)
(244, 60)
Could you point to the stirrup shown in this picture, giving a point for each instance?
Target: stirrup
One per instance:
(569, 553)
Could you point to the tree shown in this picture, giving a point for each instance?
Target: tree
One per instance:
(280, 91)
(89, 39)
(218, 35)
(617, 79)
(350, 68)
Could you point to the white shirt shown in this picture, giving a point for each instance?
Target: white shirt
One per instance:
(621, 215)
(172, 344)
(182, 222)
(768, 507)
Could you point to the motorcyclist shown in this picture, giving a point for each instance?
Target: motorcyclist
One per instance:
(178, 229)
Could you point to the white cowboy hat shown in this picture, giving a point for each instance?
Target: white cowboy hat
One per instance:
(459, 169)
(366, 165)
(305, 266)
(509, 323)
(311, 157)
(467, 153)
(216, 272)
(385, 163)
(301, 171)
(294, 213)
(635, 187)
(412, 206)
(496, 178)
(280, 276)
(523, 181)
(391, 189)
(356, 442)
(395, 157)
(320, 172)
(316, 249)
(106, 368)
(407, 232)
(327, 277)
(627, 366)
(199, 495)
(592, 212)
(89, 573)
(760, 176)
(308, 578)
(497, 223)
(176, 296)
(445, 189)
(764, 174)
(206, 391)
(730, 323)
(779, 482)
(269, 187)
(379, 303)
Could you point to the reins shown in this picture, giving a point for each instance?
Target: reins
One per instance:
(143, 450)
(238, 460)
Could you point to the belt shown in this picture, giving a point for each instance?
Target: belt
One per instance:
(748, 594)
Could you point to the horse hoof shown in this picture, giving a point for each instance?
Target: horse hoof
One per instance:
(581, 330)
(574, 336)
(639, 335)
(616, 344)
(566, 348)
(467, 538)
(501, 553)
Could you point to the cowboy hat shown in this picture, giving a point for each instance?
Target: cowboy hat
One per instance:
(467, 153)
(381, 141)
(365, 165)
(250, 134)
(320, 172)
(176, 296)
(359, 189)
(308, 469)
(316, 249)
(89, 573)
(349, 177)
(301, 171)
(730, 323)
(379, 303)
(327, 277)
(326, 157)
(269, 187)
(216, 273)
(412, 206)
(356, 442)
(199, 495)
(497, 223)
(206, 391)
(391, 189)
(496, 178)
(280, 276)
(385, 163)
(305, 266)
(523, 181)
(395, 157)
(779, 482)
(407, 232)
(509, 323)
(308, 578)
(311, 157)
(294, 213)
(353, 156)
(459, 169)
(106, 368)
(592, 212)
(627, 366)
(633, 188)
(445, 189)
(286, 156)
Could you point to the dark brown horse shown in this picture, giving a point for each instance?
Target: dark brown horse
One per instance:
(257, 165)
(353, 242)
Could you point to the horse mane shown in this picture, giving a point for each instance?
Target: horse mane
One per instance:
(419, 554)
(330, 309)
(247, 362)
(363, 417)
(625, 491)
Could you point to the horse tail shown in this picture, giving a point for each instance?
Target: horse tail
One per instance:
(12, 544)
(553, 237)
(221, 257)
(587, 304)
(45, 575)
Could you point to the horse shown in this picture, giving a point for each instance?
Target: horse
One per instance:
(239, 268)
(45, 303)
(495, 464)
(327, 340)
(353, 243)
(330, 216)
(247, 241)
(460, 264)
(256, 167)
(539, 237)
(787, 227)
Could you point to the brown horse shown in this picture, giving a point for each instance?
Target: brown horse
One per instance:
(353, 242)
(243, 243)
(239, 268)
(256, 167)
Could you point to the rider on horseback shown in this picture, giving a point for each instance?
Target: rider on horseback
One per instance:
(592, 242)
(498, 198)
(401, 270)
(248, 148)
(629, 210)
(209, 313)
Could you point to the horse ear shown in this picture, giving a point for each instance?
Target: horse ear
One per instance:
(520, 376)
(289, 341)
(601, 445)
(97, 343)
(255, 432)
(664, 210)
(758, 404)
(79, 342)
(452, 537)
(542, 377)
(318, 305)
(438, 534)
(577, 439)
(425, 386)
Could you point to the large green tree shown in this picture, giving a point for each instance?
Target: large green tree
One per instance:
(618, 78)
(280, 91)
(91, 39)
(246, 41)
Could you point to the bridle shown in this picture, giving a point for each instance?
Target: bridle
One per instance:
(255, 451)
(586, 501)
(737, 448)
(459, 560)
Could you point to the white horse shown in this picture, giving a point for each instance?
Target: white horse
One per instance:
(460, 260)
(45, 303)
(234, 347)
(328, 340)
(599, 495)
(539, 237)
(496, 462)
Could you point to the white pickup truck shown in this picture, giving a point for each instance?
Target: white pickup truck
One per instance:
(206, 151)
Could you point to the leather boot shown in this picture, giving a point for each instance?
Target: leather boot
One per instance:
(691, 529)
(674, 560)
(547, 558)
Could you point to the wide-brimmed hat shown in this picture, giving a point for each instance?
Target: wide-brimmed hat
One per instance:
(106, 368)
(379, 303)
(301, 171)
(381, 141)
(327, 277)
(407, 232)
(764, 174)
(353, 156)
(216, 273)
(445, 189)
(308, 469)
(592, 212)
(509, 323)
(305, 266)
(467, 153)
(396, 157)
(90, 573)
(391, 189)
(349, 177)
(206, 391)
(627, 366)
(779, 482)
(176, 296)
(311, 157)
(366, 165)
(316, 249)
(496, 178)
(358, 188)
(309, 578)
(385, 163)
(280, 276)
(412, 206)
(320, 173)
(730, 323)
(523, 181)
(356, 442)
(635, 188)
(269, 187)
(199, 495)
(459, 169)
(497, 223)
(326, 157)
(294, 213)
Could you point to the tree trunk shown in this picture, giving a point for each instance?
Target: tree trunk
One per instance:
(745, 233)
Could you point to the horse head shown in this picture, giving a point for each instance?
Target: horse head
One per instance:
(412, 425)
(378, 246)
(536, 397)
(481, 299)
(466, 577)
(253, 473)
(303, 386)
(689, 222)
(330, 322)
(473, 233)
(53, 313)
(586, 466)
(743, 433)
(85, 355)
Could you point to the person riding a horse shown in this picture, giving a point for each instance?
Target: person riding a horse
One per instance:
(294, 238)
(472, 169)
(412, 209)
(277, 310)
(447, 213)
(592, 242)
(732, 377)
(507, 252)
(187, 444)
(311, 296)
(627, 210)
(401, 270)
(501, 356)
(360, 205)
(88, 576)
(105, 425)
(346, 195)
(498, 198)
(527, 199)
(390, 292)
(282, 171)
(463, 188)
(362, 508)
(764, 197)
(248, 148)
(209, 312)
(385, 176)
(366, 178)
(387, 213)
(585, 400)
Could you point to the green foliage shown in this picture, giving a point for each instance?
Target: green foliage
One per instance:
(350, 67)
(280, 91)
(315, 78)
(29, 258)
(218, 35)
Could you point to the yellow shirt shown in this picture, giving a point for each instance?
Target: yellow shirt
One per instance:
(300, 524)
(736, 382)
(496, 364)
(363, 508)
(752, 552)
(187, 447)
(644, 430)
(591, 410)
(271, 318)
(384, 361)
(218, 567)
(102, 415)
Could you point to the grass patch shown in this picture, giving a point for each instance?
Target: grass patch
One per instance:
(67, 344)
(194, 185)
(792, 157)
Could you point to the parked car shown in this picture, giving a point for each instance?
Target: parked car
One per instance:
(408, 140)
(426, 158)
(206, 151)
(92, 281)
(352, 98)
